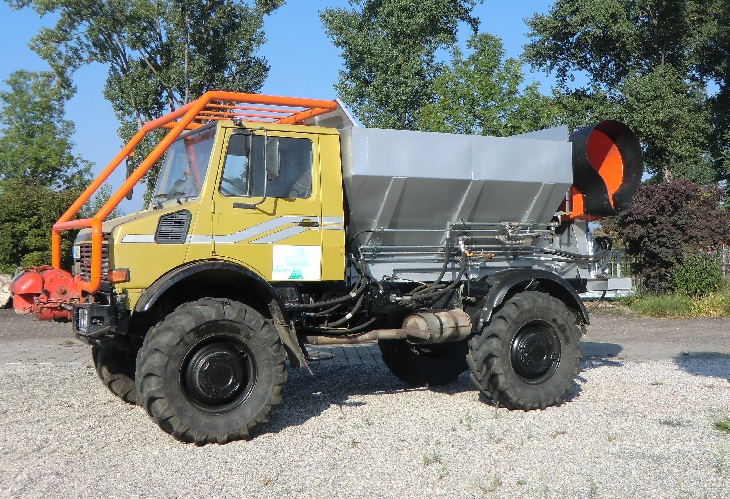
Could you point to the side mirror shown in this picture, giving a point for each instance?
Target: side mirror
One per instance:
(130, 170)
(273, 165)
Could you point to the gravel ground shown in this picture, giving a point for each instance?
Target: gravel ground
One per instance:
(630, 429)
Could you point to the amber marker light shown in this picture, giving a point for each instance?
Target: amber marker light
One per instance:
(118, 275)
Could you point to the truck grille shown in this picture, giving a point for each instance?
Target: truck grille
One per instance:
(83, 264)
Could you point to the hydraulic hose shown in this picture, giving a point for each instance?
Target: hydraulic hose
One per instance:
(349, 314)
(603, 241)
(357, 290)
(327, 330)
(433, 293)
(425, 288)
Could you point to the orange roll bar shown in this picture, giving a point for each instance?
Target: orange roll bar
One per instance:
(294, 111)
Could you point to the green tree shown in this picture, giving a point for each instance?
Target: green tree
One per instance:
(27, 212)
(482, 94)
(389, 52)
(160, 53)
(715, 65)
(39, 175)
(641, 63)
(35, 139)
(100, 197)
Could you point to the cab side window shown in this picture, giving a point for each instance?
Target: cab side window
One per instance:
(244, 169)
(235, 178)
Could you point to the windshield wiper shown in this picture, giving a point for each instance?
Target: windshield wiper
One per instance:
(178, 196)
(157, 201)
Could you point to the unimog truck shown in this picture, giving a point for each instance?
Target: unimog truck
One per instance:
(279, 223)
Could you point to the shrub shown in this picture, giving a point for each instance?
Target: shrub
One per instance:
(697, 275)
(666, 222)
(27, 212)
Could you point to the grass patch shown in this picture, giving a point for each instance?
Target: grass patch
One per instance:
(661, 306)
(723, 425)
(716, 304)
(431, 458)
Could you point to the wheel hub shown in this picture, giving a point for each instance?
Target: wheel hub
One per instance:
(216, 374)
(534, 352)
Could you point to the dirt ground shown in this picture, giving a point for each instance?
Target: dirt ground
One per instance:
(613, 333)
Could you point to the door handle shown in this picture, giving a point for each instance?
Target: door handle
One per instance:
(309, 223)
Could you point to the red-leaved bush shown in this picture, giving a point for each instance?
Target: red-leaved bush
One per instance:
(667, 222)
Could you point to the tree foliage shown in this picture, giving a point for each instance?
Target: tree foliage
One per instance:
(39, 175)
(389, 52)
(608, 41)
(715, 65)
(483, 94)
(27, 212)
(642, 63)
(35, 139)
(160, 53)
(667, 222)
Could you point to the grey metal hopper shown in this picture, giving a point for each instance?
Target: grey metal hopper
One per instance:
(414, 184)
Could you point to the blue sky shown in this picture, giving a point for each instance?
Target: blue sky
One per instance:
(303, 61)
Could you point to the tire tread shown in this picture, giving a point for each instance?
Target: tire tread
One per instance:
(170, 333)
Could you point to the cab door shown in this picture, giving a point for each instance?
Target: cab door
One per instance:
(267, 204)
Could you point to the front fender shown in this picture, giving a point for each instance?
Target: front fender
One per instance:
(233, 281)
(224, 271)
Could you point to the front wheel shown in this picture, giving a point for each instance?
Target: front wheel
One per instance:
(116, 369)
(211, 371)
(528, 355)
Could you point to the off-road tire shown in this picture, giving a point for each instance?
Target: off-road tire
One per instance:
(528, 355)
(424, 365)
(211, 371)
(116, 369)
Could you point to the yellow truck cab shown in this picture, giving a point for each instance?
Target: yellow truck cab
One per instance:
(211, 205)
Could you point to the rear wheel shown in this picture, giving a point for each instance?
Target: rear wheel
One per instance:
(424, 365)
(211, 371)
(528, 356)
(116, 369)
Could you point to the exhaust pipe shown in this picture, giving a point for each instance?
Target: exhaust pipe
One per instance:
(424, 327)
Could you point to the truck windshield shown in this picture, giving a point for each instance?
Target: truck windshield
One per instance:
(186, 164)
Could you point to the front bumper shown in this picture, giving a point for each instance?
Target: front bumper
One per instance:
(92, 320)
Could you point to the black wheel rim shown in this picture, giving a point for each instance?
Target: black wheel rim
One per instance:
(218, 374)
(535, 352)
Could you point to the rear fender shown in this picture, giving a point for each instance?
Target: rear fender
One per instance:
(505, 284)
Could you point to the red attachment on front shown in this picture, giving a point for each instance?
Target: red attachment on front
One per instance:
(45, 292)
